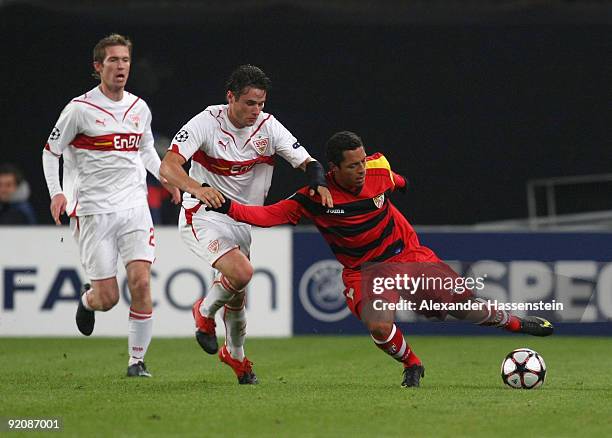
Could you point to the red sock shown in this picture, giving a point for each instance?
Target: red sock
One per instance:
(513, 324)
(397, 347)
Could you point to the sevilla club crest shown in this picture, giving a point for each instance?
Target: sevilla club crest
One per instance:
(379, 200)
(261, 144)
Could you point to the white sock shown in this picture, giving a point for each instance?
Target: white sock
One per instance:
(84, 299)
(235, 331)
(140, 331)
(216, 297)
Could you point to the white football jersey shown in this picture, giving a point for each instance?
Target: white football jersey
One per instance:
(100, 140)
(238, 162)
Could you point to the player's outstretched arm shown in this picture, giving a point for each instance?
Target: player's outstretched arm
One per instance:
(286, 211)
(172, 170)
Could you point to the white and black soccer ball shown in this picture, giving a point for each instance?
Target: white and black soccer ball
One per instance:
(523, 368)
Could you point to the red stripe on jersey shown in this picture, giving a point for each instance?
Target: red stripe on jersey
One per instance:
(175, 148)
(381, 233)
(223, 167)
(95, 106)
(108, 142)
(131, 106)
(258, 128)
(223, 130)
(48, 148)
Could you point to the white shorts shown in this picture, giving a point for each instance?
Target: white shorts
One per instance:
(209, 238)
(102, 237)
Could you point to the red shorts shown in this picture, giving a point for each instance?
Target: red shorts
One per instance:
(422, 262)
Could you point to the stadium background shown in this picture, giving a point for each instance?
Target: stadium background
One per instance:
(469, 99)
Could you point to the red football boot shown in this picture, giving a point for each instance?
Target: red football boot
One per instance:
(205, 329)
(243, 370)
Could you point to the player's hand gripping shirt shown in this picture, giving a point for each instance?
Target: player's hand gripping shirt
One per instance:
(238, 162)
(100, 140)
(360, 228)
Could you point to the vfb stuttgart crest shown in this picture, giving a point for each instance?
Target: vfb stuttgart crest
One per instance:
(379, 200)
(135, 119)
(261, 144)
(213, 246)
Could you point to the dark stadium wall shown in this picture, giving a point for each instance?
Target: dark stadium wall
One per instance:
(468, 112)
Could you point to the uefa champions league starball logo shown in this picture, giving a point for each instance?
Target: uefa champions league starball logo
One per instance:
(55, 134)
(181, 136)
(321, 291)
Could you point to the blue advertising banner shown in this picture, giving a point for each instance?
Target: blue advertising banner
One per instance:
(572, 271)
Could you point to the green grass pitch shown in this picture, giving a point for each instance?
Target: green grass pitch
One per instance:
(310, 386)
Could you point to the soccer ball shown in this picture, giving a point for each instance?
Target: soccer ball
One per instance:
(523, 369)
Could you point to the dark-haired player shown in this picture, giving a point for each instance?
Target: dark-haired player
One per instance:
(232, 148)
(364, 227)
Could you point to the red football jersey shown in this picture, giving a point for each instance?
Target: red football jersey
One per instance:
(360, 228)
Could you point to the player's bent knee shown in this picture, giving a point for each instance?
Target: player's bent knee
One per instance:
(140, 285)
(236, 268)
(380, 329)
(141, 298)
(241, 276)
(241, 281)
(106, 294)
(108, 301)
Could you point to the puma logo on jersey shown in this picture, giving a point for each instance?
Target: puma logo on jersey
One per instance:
(101, 122)
(223, 144)
(335, 211)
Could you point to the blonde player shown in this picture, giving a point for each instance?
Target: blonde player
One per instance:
(232, 148)
(105, 137)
